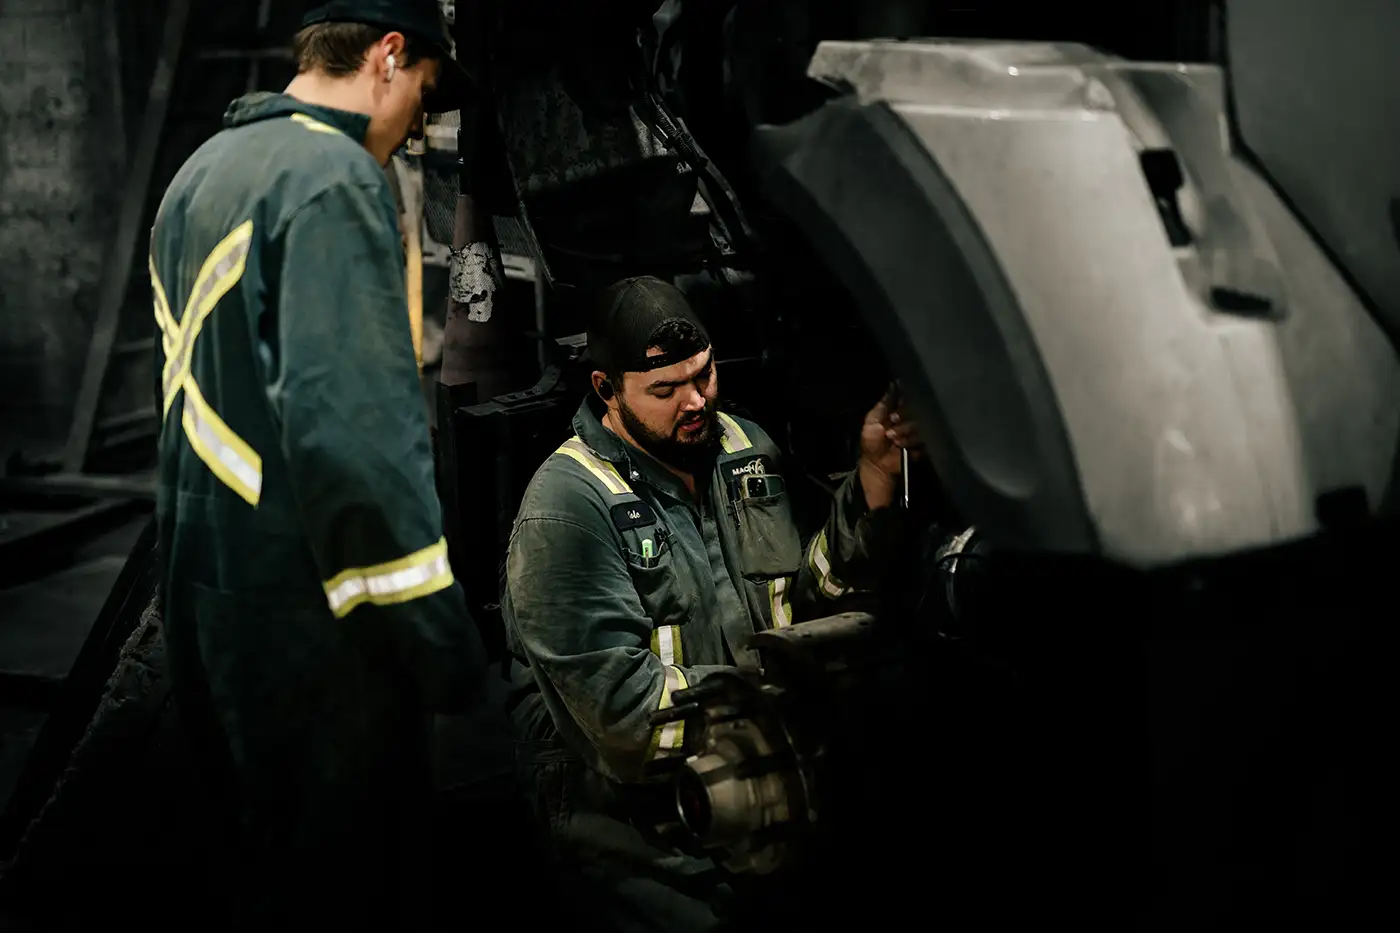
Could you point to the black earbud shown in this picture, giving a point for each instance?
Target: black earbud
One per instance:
(605, 390)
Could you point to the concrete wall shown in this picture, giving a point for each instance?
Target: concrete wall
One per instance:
(61, 155)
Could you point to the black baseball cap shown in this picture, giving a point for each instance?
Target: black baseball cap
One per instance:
(626, 319)
(420, 19)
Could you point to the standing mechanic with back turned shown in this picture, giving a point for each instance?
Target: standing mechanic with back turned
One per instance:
(646, 551)
(311, 616)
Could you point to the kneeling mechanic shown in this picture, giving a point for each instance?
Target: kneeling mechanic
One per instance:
(647, 550)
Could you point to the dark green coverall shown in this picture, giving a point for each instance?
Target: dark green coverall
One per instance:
(311, 615)
(603, 634)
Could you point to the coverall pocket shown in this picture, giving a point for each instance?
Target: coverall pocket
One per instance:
(769, 545)
(663, 583)
(551, 785)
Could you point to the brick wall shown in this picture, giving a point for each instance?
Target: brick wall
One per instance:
(61, 149)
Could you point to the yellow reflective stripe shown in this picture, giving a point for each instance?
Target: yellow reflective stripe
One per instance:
(398, 581)
(314, 125)
(606, 473)
(666, 645)
(732, 439)
(220, 272)
(164, 319)
(820, 562)
(781, 602)
(225, 453)
(668, 738)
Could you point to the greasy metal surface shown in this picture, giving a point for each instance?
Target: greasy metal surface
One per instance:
(557, 132)
(64, 125)
(120, 261)
(1316, 89)
(1195, 431)
(828, 629)
(47, 622)
(141, 486)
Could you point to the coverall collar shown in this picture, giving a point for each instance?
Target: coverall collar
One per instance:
(265, 105)
(634, 464)
(588, 425)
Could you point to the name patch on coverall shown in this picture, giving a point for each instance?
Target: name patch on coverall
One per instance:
(632, 515)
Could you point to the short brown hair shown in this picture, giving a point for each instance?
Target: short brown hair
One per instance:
(339, 49)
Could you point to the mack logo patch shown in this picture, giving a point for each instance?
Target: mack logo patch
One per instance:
(632, 515)
(753, 466)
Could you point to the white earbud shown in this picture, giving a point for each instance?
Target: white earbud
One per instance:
(393, 66)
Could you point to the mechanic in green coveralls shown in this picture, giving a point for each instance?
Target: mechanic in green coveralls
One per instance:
(646, 551)
(311, 615)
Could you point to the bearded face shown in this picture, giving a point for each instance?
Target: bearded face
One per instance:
(672, 413)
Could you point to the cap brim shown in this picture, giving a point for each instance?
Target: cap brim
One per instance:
(454, 88)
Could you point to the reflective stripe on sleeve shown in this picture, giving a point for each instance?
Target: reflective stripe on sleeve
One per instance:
(398, 581)
(604, 471)
(669, 737)
(224, 452)
(820, 562)
(219, 274)
(666, 644)
(732, 438)
(780, 601)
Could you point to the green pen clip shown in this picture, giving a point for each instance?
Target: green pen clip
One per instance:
(647, 552)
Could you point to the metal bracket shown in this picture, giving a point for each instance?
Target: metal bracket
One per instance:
(117, 274)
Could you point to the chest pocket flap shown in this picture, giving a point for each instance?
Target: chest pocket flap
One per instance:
(768, 542)
(659, 570)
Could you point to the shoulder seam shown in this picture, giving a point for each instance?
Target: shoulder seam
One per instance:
(319, 193)
(758, 436)
(577, 471)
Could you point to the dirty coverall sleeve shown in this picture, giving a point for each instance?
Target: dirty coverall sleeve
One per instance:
(354, 432)
(582, 627)
(848, 555)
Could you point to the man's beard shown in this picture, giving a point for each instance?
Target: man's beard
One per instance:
(687, 454)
